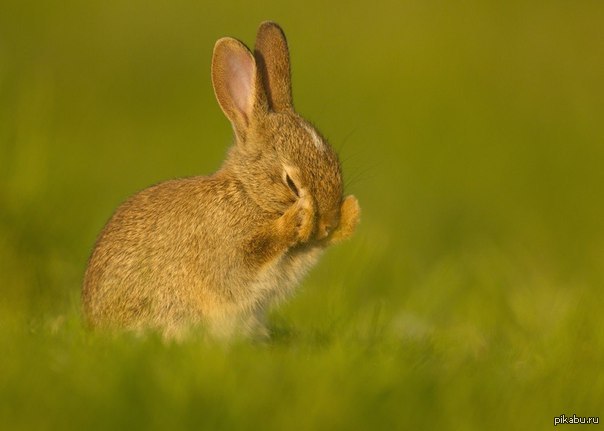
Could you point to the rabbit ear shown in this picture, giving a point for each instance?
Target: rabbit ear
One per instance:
(236, 84)
(272, 56)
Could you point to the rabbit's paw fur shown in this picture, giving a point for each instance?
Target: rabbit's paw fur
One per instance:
(350, 214)
(297, 224)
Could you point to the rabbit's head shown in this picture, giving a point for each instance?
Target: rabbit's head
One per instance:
(277, 156)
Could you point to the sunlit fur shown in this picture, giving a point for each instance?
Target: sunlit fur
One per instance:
(213, 252)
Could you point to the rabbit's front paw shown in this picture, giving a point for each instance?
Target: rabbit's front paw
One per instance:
(298, 222)
(350, 213)
(306, 217)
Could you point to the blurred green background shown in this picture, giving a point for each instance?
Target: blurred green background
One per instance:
(473, 135)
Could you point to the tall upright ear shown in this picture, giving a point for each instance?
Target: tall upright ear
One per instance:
(272, 57)
(236, 83)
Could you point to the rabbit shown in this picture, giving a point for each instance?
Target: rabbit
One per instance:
(215, 252)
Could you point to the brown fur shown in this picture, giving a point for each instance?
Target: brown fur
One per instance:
(216, 251)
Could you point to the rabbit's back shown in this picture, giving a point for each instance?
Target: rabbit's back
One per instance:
(167, 253)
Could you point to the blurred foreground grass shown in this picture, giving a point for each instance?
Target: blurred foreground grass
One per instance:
(470, 298)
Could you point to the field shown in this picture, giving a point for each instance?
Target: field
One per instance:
(470, 298)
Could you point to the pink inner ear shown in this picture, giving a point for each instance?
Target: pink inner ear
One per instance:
(241, 74)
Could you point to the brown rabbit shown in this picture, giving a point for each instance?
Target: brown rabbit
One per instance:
(216, 251)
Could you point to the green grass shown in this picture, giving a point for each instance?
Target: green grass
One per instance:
(471, 295)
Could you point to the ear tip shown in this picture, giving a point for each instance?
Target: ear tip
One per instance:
(229, 47)
(269, 23)
(230, 54)
(270, 26)
(229, 43)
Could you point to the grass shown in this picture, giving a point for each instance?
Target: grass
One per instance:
(470, 298)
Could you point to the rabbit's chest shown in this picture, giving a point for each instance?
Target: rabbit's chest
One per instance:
(279, 278)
